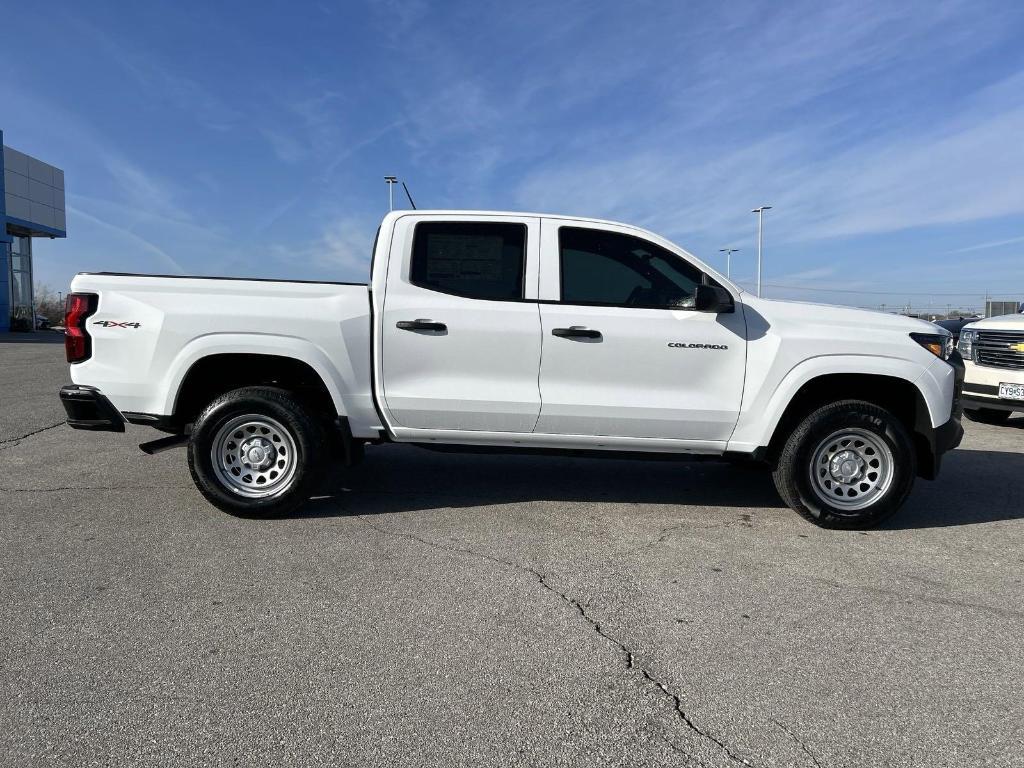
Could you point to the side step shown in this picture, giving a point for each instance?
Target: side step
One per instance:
(163, 444)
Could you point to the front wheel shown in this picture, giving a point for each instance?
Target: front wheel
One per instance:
(256, 452)
(849, 464)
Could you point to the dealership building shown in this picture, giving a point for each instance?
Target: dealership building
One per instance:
(31, 206)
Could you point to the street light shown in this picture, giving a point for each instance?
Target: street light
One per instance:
(728, 259)
(760, 240)
(391, 181)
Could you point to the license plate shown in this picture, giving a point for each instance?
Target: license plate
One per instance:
(1011, 391)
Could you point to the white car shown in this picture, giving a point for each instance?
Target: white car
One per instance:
(993, 353)
(520, 332)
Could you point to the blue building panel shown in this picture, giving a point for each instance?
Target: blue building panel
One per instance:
(32, 205)
(5, 251)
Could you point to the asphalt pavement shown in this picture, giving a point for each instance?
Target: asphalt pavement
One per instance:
(442, 609)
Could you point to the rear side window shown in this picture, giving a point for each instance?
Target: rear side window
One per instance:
(609, 268)
(478, 260)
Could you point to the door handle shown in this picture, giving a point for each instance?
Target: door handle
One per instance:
(576, 332)
(421, 325)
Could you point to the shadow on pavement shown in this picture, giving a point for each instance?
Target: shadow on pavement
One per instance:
(974, 486)
(1014, 422)
(410, 479)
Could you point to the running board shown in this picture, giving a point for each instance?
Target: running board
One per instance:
(163, 444)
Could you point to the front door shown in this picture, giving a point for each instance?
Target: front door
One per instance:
(461, 328)
(625, 354)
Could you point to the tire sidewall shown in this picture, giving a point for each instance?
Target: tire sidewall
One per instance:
(256, 402)
(879, 423)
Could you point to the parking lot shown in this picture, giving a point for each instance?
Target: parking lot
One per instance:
(436, 609)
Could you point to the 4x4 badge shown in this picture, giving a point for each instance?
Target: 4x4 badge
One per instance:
(116, 324)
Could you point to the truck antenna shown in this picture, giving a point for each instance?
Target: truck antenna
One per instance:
(409, 196)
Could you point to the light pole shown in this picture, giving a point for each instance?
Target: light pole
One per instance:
(391, 181)
(728, 259)
(760, 240)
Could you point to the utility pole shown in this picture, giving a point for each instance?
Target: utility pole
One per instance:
(391, 181)
(760, 240)
(728, 260)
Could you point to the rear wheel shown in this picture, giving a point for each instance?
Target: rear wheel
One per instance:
(987, 415)
(256, 452)
(850, 464)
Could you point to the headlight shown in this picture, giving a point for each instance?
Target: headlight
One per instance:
(966, 345)
(939, 344)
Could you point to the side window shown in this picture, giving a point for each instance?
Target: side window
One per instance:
(600, 267)
(479, 260)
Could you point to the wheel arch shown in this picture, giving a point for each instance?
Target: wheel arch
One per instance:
(213, 374)
(897, 394)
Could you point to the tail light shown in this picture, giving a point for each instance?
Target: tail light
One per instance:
(77, 309)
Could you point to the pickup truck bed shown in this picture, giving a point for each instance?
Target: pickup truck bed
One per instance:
(154, 328)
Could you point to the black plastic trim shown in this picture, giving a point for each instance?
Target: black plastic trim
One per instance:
(163, 444)
(1000, 404)
(163, 423)
(591, 453)
(88, 408)
(215, 277)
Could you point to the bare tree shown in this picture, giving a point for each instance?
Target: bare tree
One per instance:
(48, 304)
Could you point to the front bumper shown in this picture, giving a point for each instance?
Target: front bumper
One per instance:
(88, 408)
(987, 396)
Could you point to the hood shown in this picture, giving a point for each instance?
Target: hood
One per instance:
(831, 314)
(1001, 323)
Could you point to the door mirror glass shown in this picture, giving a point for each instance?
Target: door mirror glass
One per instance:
(714, 299)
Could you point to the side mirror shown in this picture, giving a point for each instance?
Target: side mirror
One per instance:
(712, 298)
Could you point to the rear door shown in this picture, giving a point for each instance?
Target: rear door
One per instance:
(625, 353)
(460, 336)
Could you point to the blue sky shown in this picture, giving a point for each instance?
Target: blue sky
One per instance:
(252, 138)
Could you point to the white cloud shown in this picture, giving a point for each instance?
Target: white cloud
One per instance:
(986, 246)
(341, 252)
(131, 238)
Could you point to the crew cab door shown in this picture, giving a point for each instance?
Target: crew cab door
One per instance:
(625, 354)
(460, 328)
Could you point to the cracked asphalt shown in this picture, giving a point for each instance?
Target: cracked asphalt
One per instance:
(438, 609)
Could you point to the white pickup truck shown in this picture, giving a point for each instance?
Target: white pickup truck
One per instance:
(993, 351)
(516, 332)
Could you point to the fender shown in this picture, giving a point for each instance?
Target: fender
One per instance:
(257, 344)
(762, 410)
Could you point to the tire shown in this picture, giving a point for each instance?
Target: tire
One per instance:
(257, 452)
(987, 415)
(849, 464)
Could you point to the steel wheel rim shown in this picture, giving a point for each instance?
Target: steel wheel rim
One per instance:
(254, 456)
(851, 469)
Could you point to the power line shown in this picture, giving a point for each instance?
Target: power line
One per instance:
(890, 293)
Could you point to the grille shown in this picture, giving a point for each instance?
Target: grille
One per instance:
(994, 348)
